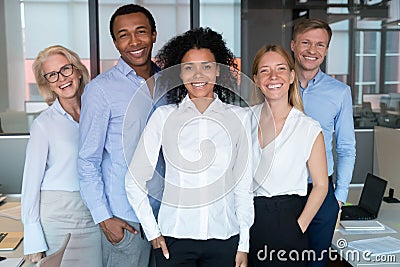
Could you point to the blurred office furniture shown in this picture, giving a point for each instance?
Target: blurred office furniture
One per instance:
(12, 160)
(389, 215)
(367, 117)
(386, 157)
(375, 100)
(55, 259)
(394, 100)
(14, 122)
(35, 106)
(384, 107)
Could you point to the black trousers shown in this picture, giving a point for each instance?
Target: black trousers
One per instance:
(276, 238)
(198, 253)
(322, 227)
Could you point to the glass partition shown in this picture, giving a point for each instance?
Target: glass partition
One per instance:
(364, 51)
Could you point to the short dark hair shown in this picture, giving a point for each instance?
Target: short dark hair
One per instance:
(128, 9)
(305, 25)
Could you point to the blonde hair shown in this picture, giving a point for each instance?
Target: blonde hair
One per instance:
(294, 89)
(44, 87)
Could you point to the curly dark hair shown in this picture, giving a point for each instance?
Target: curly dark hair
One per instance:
(174, 50)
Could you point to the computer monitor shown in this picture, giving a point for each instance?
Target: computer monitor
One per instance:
(12, 160)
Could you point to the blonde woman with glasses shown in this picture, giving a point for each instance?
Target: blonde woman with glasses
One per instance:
(51, 202)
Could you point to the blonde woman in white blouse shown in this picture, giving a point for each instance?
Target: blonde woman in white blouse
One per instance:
(297, 150)
(51, 202)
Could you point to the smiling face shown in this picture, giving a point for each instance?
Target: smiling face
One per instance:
(274, 77)
(134, 39)
(199, 72)
(310, 49)
(65, 87)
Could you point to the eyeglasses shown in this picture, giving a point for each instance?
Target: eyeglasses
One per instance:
(66, 70)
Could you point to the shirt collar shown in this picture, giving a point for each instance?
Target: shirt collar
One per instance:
(58, 107)
(126, 69)
(187, 103)
(318, 77)
(61, 110)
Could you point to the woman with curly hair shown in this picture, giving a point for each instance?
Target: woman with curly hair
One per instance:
(207, 208)
(172, 53)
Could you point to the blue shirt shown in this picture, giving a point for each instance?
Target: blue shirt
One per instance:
(115, 108)
(50, 165)
(329, 102)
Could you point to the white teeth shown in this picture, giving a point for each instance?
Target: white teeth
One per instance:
(310, 58)
(137, 52)
(65, 85)
(273, 86)
(198, 84)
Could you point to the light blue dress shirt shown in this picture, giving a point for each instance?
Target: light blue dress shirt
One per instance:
(329, 102)
(107, 141)
(50, 165)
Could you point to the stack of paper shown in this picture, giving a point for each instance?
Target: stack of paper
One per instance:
(14, 262)
(381, 245)
(362, 225)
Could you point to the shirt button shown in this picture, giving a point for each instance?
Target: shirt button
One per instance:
(141, 81)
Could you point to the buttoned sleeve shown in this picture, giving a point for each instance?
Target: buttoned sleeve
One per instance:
(242, 170)
(345, 146)
(141, 170)
(94, 119)
(35, 164)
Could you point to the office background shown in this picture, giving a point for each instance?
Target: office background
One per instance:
(364, 52)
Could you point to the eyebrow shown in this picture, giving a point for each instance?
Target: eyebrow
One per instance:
(196, 62)
(279, 64)
(137, 28)
(122, 30)
(58, 69)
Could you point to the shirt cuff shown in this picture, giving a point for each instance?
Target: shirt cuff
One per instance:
(34, 240)
(341, 193)
(100, 214)
(150, 226)
(244, 237)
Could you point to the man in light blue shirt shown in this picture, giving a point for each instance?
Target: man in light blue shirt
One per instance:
(107, 139)
(328, 101)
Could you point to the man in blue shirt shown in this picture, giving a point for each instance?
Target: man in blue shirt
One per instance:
(328, 101)
(107, 139)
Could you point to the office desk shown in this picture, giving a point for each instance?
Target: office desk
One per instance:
(10, 225)
(388, 215)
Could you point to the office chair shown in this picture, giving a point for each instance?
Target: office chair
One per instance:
(54, 260)
(367, 118)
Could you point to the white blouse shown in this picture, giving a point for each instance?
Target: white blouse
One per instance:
(50, 164)
(280, 168)
(208, 175)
